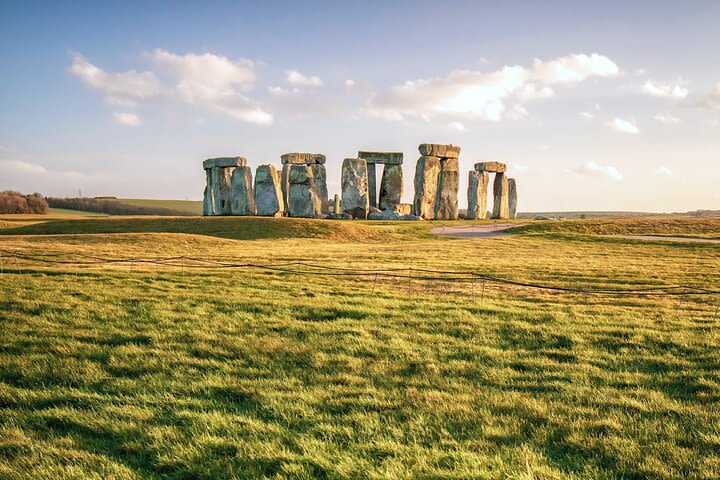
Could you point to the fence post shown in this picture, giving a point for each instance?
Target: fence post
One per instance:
(374, 284)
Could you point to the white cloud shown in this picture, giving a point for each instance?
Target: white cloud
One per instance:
(19, 166)
(207, 81)
(574, 68)
(587, 115)
(484, 95)
(676, 92)
(664, 171)
(458, 126)
(294, 77)
(516, 169)
(666, 118)
(127, 119)
(623, 126)
(130, 84)
(517, 112)
(349, 83)
(712, 99)
(593, 169)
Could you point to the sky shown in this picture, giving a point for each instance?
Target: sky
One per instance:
(592, 105)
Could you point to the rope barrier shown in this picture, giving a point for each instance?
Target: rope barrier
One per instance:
(313, 269)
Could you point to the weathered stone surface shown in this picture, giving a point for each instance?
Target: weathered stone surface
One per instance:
(477, 195)
(243, 197)
(285, 185)
(340, 216)
(336, 204)
(224, 162)
(403, 208)
(410, 217)
(207, 195)
(500, 197)
(388, 158)
(320, 186)
(427, 171)
(302, 158)
(439, 150)
(268, 193)
(391, 186)
(493, 167)
(446, 205)
(372, 209)
(512, 198)
(355, 188)
(372, 184)
(302, 200)
(221, 190)
(386, 215)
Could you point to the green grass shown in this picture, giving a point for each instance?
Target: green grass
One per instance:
(75, 213)
(190, 207)
(159, 372)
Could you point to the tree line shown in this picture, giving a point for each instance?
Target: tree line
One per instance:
(109, 206)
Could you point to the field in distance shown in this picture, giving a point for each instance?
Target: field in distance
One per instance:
(185, 362)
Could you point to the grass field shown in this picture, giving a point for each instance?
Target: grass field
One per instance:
(147, 371)
(190, 207)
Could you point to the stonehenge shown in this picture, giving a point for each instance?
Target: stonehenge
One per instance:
(300, 188)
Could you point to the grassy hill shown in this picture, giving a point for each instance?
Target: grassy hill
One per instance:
(189, 207)
(143, 370)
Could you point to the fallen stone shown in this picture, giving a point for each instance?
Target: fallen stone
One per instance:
(426, 183)
(298, 158)
(302, 200)
(355, 187)
(320, 185)
(512, 198)
(372, 209)
(403, 208)
(268, 193)
(224, 162)
(243, 197)
(477, 195)
(492, 167)
(439, 150)
(391, 186)
(446, 205)
(384, 215)
(410, 217)
(500, 197)
(388, 158)
(340, 216)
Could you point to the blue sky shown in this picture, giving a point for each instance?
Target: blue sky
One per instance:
(593, 105)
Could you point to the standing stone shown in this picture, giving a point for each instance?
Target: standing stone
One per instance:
(320, 184)
(391, 186)
(297, 158)
(355, 187)
(512, 198)
(426, 182)
(243, 197)
(302, 200)
(500, 197)
(285, 185)
(446, 205)
(221, 190)
(336, 206)
(477, 195)
(268, 194)
(372, 184)
(207, 195)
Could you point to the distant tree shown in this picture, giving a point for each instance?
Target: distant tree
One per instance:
(37, 204)
(109, 206)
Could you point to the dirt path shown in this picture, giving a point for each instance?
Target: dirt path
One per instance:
(476, 231)
(669, 239)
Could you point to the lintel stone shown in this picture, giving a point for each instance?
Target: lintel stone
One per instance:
(387, 158)
(302, 158)
(439, 150)
(492, 167)
(224, 162)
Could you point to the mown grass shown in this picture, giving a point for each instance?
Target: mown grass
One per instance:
(190, 207)
(158, 372)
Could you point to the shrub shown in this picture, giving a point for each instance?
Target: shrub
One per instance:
(15, 202)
